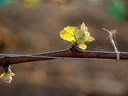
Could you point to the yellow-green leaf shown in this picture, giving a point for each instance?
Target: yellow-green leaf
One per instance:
(66, 36)
(82, 46)
(11, 74)
(89, 39)
(71, 30)
(69, 34)
(3, 75)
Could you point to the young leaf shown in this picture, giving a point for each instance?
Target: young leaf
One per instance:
(83, 28)
(69, 34)
(89, 39)
(80, 37)
(82, 46)
(77, 36)
(7, 77)
(3, 75)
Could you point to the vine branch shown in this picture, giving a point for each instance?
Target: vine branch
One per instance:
(72, 53)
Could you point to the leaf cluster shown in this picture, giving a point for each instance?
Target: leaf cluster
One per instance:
(77, 36)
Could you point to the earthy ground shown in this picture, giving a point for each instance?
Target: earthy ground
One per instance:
(25, 31)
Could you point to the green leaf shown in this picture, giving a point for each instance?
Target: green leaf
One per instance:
(82, 46)
(80, 34)
(80, 37)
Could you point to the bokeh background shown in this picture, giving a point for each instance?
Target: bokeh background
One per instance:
(26, 30)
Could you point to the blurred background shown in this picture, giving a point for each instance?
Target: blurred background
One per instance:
(25, 30)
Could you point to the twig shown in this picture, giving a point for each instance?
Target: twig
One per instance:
(72, 53)
(111, 36)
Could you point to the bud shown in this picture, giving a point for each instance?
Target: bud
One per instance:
(8, 79)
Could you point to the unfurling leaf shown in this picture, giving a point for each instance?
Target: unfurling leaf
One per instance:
(89, 39)
(82, 46)
(83, 27)
(7, 77)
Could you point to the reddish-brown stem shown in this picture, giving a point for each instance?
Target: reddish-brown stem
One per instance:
(73, 53)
